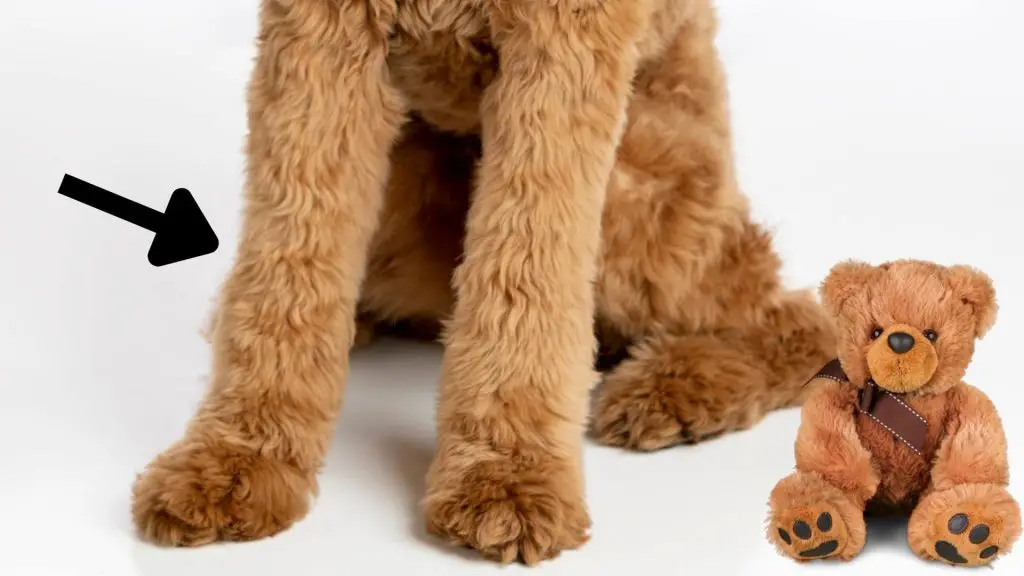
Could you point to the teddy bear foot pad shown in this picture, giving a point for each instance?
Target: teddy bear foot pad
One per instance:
(811, 532)
(972, 540)
(967, 526)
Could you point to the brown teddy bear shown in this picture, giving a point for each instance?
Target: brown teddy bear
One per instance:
(890, 426)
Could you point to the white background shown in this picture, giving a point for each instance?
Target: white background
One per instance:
(869, 129)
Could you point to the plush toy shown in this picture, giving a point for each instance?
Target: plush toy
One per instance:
(890, 426)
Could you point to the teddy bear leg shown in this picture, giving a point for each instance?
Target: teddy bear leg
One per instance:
(676, 389)
(966, 525)
(811, 519)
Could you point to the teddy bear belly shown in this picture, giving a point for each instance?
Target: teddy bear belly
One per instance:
(903, 473)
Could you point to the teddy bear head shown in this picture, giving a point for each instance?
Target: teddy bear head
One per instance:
(909, 325)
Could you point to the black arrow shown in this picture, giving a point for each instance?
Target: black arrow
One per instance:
(182, 231)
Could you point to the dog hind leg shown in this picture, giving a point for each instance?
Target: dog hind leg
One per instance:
(686, 276)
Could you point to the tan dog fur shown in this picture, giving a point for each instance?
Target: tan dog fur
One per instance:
(847, 464)
(540, 177)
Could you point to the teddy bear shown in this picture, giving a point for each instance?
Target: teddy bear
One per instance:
(890, 427)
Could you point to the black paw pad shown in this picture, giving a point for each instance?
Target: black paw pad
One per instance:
(802, 530)
(948, 552)
(824, 549)
(824, 522)
(978, 534)
(785, 536)
(957, 524)
(989, 552)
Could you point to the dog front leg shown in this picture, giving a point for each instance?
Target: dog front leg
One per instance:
(322, 118)
(517, 369)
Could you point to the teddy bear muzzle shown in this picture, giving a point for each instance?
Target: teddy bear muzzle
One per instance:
(901, 359)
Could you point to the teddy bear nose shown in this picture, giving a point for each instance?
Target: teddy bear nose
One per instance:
(901, 342)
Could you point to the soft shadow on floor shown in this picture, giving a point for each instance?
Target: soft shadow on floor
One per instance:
(887, 533)
(408, 459)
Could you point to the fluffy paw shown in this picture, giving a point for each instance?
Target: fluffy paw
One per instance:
(676, 391)
(973, 537)
(508, 513)
(810, 532)
(811, 519)
(195, 494)
(632, 419)
(965, 526)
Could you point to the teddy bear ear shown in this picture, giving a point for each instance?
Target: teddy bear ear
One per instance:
(845, 280)
(975, 289)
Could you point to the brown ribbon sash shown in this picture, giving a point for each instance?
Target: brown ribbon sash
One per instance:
(885, 408)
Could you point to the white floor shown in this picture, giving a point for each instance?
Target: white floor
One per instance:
(870, 129)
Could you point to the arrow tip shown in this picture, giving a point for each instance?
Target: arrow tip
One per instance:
(184, 232)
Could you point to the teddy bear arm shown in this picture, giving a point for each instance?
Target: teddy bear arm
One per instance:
(974, 449)
(828, 444)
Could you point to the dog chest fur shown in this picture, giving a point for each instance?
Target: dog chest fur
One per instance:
(441, 59)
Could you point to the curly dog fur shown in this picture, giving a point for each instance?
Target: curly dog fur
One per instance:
(542, 179)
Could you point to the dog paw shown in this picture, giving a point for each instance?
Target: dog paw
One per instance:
(968, 525)
(635, 418)
(507, 513)
(675, 391)
(809, 532)
(195, 494)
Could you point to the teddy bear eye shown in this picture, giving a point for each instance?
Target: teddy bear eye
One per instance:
(931, 335)
(876, 333)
